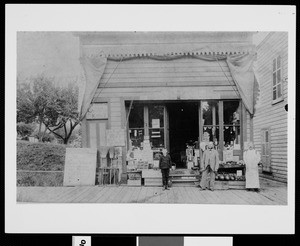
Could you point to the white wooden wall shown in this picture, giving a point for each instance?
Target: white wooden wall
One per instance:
(270, 115)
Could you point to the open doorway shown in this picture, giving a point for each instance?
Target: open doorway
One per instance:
(183, 127)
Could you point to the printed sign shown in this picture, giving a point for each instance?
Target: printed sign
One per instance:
(80, 166)
(115, 137)
(228, 155)
(155, 123)
(97, 111)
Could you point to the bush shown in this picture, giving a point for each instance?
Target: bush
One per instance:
(25, 129)
(40, 156)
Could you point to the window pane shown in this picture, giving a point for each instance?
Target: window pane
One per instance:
(210, 115)
(156, 116)
(279, 90)
(274, 93)
(278, 76)
(278, 62)
(274, 64)
(211, 134)
(157, 138)
(136, 137)
(231, 112)
(232, 136)
(136, 117)
(274, 78)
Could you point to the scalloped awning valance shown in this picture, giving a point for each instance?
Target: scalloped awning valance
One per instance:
(240, 67)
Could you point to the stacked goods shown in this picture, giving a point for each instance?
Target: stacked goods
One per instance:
(147, 152)
(142, 165)
(134, 178)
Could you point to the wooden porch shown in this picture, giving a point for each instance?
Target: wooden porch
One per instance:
(272, 193)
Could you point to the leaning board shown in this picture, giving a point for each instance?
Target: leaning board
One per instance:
(80, 166)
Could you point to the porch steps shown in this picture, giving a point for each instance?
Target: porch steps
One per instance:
(184, 177)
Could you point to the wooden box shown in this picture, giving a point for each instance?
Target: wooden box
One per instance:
(237, 185)
(221, 185)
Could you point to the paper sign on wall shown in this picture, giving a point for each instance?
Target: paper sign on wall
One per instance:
(97, 111)
(228, 155)
(155, 123)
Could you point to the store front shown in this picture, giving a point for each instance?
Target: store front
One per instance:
(139, 99)
(175, 125)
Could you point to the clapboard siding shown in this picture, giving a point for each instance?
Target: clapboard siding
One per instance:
(269, 115)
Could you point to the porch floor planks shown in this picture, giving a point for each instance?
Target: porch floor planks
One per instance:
(135, 196)
(52, 193)
(68, 191)
(276, 194)
(113, 195)
(142, 195)
(197, 194)
(172, 196)
(190, 194)
(274, 197)
(74, 194)
(216, 197)
(128, 194)
(122, 194)
(90, 194)
(183, 196)
(232, 198)
(157, 192)
(164, 195)
(100, 196)
(239, 200)
(269, 195)
(149, 194)
(252, 198)
(26, 193)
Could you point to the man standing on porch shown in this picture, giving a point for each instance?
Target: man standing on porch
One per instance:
(209, 166)
(165, 164)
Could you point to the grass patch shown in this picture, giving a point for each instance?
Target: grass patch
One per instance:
(40, 157)
(40, 179)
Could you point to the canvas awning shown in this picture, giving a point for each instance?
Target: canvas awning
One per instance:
(240, 67)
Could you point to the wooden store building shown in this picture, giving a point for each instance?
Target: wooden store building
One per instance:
(145, 91)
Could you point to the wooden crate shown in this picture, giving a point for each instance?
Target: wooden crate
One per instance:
(237, 185)
(136, 182)
(221, 185)
(153, 181)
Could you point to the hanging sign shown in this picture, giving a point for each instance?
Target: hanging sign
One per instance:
(97, 111)
(155, 123)
(228, 155)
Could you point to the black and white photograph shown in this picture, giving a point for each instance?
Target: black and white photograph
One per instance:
(162, 118)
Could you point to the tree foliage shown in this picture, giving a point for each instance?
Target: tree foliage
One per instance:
(43, 102)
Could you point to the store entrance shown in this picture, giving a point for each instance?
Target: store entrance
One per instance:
(183, 127)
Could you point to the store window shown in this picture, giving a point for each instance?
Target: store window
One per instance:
(277, 79)
(210, 122)
(136, 125)
(232, 128)
(156, 125)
